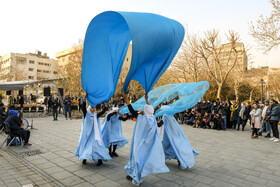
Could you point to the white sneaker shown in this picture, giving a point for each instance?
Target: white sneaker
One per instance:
(276, 140)
(272, 139)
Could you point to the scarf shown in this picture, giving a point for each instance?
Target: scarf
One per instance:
(95, 123)
(232, 109)
(241, 113)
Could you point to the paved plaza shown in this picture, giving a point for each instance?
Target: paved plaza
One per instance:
(227, 158)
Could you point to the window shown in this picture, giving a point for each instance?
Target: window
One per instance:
(40, 63)
(55, 72)
(31, 62)
(30, 69)
(30, 77)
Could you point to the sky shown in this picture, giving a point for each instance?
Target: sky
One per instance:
(51, 26)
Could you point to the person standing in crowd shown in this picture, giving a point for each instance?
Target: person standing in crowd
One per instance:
(54, 107)
(146, 152)
(256, 114)
(203, 107)
(49, 103)
(264, 121)
(21, 101)
(273, 117)
(223, 110)
(234, 114)
(243, 116)
(81, 101)
(67, 105)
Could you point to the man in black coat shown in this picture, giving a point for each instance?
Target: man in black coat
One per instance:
(15, 126)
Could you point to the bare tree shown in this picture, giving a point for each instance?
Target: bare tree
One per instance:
(187, 62)
(219, 59)
(72, 71)
(266, 31)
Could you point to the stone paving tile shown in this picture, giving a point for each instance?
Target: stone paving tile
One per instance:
(219, 183)
(107, 183)
(95, 178)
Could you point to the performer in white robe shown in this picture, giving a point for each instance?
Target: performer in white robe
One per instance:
(91, 146)
(112, 132)
(146, 152)
(175, 143)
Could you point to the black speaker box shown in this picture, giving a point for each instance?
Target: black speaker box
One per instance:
(8, 92)
(47, 91)
(20, 92)
(60, 91)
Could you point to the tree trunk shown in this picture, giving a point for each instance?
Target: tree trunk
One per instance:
(251, 93)
(219, 91)
(236, 92)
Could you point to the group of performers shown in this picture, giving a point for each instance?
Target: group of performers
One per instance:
(148, 151)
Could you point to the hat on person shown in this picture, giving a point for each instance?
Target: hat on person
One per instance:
(13, 112)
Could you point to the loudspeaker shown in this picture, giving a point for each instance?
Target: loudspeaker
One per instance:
(60, 91)
(20, 92)
(8, 92)
(47, 91)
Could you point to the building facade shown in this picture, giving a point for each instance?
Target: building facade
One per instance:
(29, 66)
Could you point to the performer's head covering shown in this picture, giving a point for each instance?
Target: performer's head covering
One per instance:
(115, 109)
(13, 112)
(148, 110)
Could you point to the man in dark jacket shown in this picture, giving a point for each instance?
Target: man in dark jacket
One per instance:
(15, 126)
(67, 104)
(54, 107)
(274, 117)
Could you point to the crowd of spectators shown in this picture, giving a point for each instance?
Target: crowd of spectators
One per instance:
(222, 115)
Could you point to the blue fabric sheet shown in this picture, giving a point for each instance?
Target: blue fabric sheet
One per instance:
(88, 147)
(175, 143)
(112, 132)
(146, 152)
(155, 42)
(188, 94)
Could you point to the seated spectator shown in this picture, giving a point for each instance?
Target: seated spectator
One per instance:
(190, 118)
(197, 120)
(205, 121)
(15, 126)
(219, 122)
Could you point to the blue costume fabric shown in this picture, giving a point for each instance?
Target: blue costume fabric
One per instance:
(175, 143)
(112, 132)
(187, 95)
(89, 148)
(146, 152)
(155, 41)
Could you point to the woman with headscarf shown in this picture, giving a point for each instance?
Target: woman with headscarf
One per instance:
(146, 152)
(175, 143)
(112, 131)
(256, 115)
(91, 146)
(243, 116)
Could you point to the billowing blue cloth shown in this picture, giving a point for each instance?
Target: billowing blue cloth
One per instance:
(175, 143)
(155, 42)
(88, 147)
(146, 152)
(112, 132)
(188, 93)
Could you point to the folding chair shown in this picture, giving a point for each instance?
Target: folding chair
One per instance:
(25, 109)
(33, 109)
(11, 136)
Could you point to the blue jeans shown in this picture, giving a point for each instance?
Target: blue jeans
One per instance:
(265, 125)
(67, 109)
(225, 121)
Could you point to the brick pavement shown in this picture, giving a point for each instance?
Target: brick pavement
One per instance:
(227, 158)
